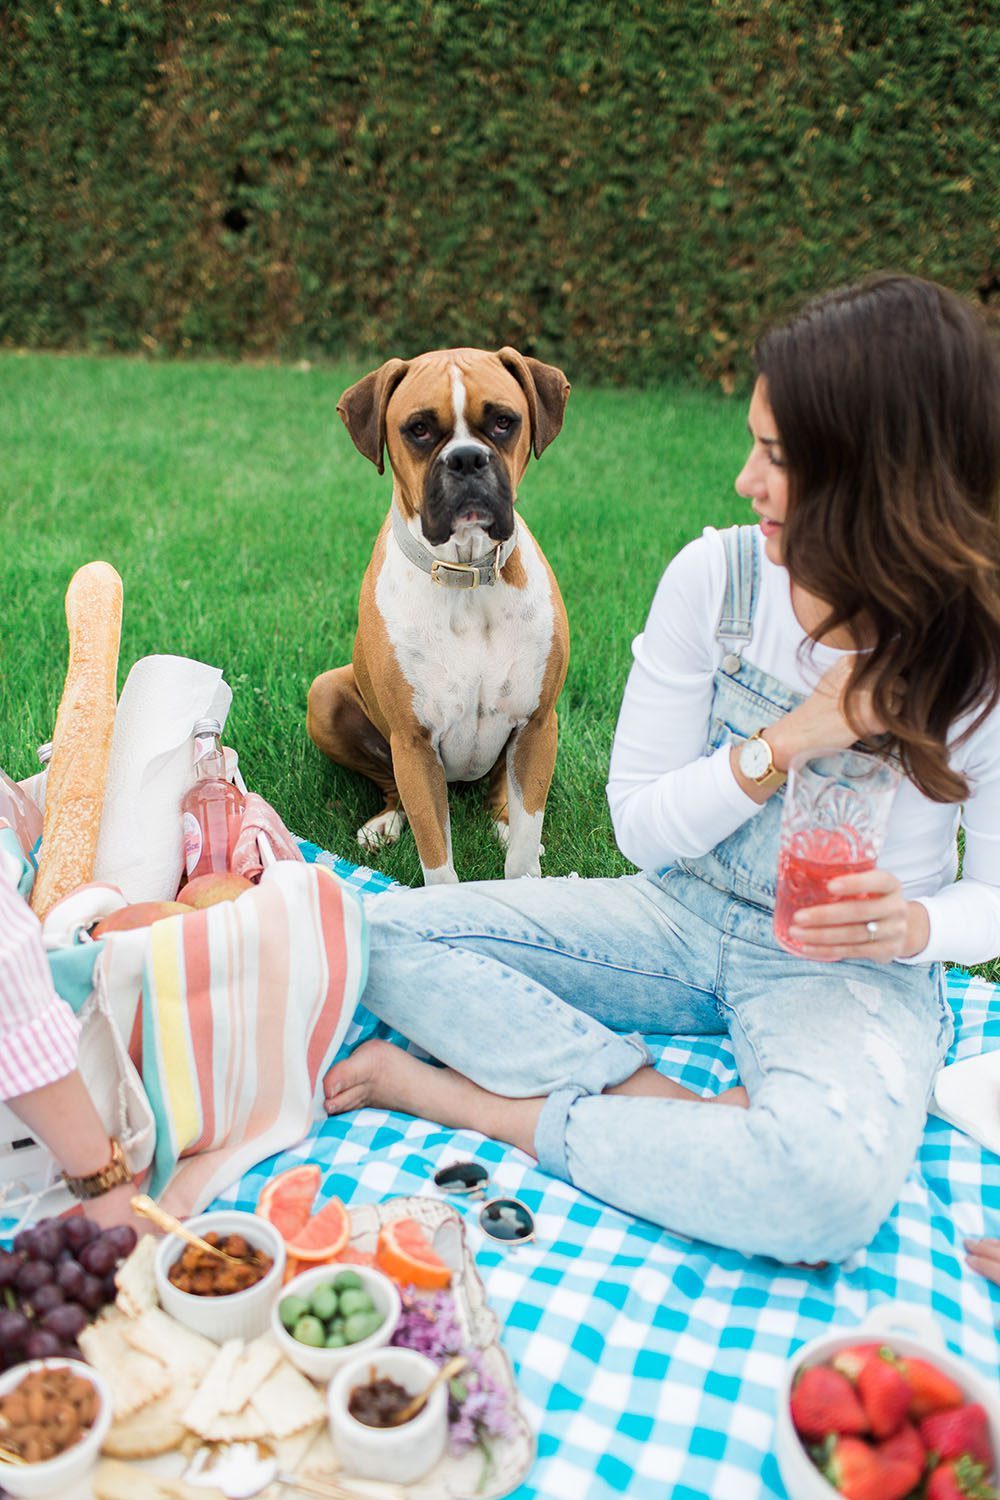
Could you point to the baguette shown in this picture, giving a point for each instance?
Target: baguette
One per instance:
(81, 743)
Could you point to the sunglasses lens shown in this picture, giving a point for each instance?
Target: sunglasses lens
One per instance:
(506, 1219)
(461, 1177)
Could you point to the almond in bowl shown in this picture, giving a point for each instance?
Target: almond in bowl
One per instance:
(54, 1415)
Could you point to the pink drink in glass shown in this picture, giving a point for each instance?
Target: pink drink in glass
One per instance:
(811, 859)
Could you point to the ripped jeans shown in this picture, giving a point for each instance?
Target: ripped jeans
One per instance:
(546, 987)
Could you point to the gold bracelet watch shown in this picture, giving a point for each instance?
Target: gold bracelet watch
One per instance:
(95, 1184)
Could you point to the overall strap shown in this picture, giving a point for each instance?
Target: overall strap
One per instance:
(742, 577)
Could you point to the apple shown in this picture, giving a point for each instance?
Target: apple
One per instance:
(208, 890)
(139, 914)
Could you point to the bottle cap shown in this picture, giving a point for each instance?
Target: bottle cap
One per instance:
(45, 752)
(207, 726)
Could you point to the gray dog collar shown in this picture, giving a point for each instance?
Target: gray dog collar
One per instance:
(454, 575)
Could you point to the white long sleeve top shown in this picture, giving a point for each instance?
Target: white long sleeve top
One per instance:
(670, 800)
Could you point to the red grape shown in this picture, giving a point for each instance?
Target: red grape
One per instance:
(99, 1257)
(41, 1344)
(80, 1231)
(14, 1329)
(46, 1298)
(50, 1238)
(32, 1275)
(123, 1237)
(66, 1322)
(91, 1294)
(70, 1277)
(9, 1267)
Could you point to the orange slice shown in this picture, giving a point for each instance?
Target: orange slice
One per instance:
(287, 1200)
(324, 1235)
(406, 1254)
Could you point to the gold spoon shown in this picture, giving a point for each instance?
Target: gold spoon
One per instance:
(417, 1402)
(8, 1456)
(143, 1205)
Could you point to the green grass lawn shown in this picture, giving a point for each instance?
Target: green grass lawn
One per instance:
(241, 518)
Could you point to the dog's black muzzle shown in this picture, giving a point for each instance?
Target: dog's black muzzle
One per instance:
(467, 482)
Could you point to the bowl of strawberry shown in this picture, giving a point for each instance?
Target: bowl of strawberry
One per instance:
(885, 1412)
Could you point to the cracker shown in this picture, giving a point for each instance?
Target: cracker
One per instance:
(206, 1404)
(258, 1361)
(235, 1427)
(134, 1379)
(153, 1429)
(113, 1480)
(318, 1461)
(288, 1402)
(135, 1279)
(180, 1349)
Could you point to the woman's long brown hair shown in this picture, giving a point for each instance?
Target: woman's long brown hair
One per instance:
(886, 397)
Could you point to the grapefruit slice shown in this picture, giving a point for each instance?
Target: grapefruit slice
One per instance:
(292, 1268)
(406, 1254)
(323, 1235)
(287, 1200)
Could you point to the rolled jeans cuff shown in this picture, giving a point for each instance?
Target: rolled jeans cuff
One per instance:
(617, 1060)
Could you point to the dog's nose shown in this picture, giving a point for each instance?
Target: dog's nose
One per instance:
(468, 458)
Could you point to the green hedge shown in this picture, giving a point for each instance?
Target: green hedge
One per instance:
(629, 189)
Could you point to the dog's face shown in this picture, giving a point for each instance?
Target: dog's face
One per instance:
(459, 426)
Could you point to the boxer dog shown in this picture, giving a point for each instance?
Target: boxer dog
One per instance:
(462, 641)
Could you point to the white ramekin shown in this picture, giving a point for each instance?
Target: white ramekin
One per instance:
(323, 1364)
(399, 1454)
(56, 1476)
(241, 1315)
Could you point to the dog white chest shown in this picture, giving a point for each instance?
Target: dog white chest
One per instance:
(475, 658)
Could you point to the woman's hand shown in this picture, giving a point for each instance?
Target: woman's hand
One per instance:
(840, 929)
(820, 723)
(984, 1256)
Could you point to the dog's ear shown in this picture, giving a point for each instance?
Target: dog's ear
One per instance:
(547, 391)
(362, 407)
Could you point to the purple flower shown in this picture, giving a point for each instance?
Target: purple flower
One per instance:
(477, 1406)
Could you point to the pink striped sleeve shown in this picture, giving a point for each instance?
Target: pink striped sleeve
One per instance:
(38, 1031)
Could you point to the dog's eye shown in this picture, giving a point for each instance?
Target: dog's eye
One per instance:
(419, 431)
(501, 424)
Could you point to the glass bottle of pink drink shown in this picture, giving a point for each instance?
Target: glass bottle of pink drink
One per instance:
(212, 810)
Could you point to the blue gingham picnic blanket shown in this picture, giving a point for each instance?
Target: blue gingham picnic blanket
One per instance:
(646, 1363)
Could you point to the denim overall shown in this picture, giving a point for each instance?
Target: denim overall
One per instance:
(547, 988)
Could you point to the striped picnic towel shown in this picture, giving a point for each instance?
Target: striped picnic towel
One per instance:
(244, 1006)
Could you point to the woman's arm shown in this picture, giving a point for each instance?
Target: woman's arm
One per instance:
(667, 798)
(39, 1080)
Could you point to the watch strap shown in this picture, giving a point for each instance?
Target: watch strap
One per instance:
(95, 1184)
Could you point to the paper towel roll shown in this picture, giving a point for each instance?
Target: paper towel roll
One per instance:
(140, 848)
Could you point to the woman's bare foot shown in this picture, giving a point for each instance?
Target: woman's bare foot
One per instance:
(384, 1076)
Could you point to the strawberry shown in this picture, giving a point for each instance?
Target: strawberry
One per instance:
(963, 1430)
(823, 1402)
(860, 1472)
(932, 1389)
(961, 1480)
(884, 1395)
(851, 1362)
(906, 1450)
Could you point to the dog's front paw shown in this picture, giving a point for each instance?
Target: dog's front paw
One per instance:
(501, 830)
(384, 829)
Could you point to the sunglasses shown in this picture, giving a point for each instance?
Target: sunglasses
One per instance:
(505, 1219)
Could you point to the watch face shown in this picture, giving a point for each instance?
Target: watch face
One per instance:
(755, 759)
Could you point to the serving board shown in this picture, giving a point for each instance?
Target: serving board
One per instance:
(467, 1477)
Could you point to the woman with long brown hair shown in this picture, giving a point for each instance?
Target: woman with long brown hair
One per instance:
(862, 606)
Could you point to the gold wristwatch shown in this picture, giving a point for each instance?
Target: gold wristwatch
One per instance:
(97, 1183)
(756, 761)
